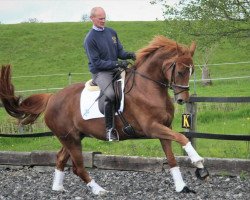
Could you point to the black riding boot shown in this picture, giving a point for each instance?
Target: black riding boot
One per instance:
(111, 133)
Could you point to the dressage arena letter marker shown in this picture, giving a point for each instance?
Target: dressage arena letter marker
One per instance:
(187, 121)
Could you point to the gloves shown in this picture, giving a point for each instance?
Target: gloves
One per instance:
(122, 64)
(131, 55)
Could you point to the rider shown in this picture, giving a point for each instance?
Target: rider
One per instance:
(103, 49)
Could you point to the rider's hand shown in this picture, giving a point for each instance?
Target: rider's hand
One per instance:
(131, 55)
(122, 64)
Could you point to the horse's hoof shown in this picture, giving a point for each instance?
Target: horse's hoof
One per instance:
(202, 173)
(187, 190)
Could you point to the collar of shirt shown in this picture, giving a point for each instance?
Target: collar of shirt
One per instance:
(98, 29)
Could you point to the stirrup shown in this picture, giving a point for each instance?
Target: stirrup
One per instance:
(112, 135)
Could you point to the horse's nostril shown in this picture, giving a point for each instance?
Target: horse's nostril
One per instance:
(180, 101)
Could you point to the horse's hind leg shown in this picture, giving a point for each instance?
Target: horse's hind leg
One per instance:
(180, 185)
(74, 148)
(62, 158)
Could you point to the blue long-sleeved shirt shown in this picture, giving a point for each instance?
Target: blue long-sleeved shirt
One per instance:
(103, 49)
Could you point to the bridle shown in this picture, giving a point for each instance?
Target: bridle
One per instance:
(171, 85)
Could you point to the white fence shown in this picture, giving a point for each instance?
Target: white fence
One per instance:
(70, 75)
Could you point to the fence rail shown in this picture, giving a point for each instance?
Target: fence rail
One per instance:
(191, 80)
(85, 73)
(191, 108)
(195, 99)
(216, 136)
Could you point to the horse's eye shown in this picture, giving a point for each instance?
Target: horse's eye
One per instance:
(181, 74)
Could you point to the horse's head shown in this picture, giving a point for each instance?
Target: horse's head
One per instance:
(178, 71)
(175, 61)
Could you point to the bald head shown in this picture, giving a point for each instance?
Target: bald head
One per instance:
(96, 11)
(98, 17)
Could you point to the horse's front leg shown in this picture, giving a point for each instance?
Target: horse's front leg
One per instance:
(180, 185)
(201, 172)
(157, 130)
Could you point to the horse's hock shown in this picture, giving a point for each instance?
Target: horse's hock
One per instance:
(128, 163)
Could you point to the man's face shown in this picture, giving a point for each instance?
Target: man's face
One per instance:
(99, 18)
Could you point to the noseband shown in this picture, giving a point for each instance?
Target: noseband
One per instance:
(173, 84)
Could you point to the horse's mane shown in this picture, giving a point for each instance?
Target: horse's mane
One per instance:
(168, 47)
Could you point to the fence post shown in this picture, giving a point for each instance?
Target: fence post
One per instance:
(191, 108)
(20, 128)
(70, 78)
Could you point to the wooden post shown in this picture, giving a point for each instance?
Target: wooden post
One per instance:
(70, 78)
(191, 108)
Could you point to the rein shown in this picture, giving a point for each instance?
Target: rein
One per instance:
(172, 84)
(134, 72)
(146, 77)
(158, 82)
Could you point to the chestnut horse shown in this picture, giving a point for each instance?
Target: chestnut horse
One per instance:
(161, 65)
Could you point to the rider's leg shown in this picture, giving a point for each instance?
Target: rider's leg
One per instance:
(111, 134)
(105, 81)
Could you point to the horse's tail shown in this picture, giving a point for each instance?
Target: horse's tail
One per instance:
(25, 110)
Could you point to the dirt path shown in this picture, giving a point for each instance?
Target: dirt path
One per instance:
(35, 183)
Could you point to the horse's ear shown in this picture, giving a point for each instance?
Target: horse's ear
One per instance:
(192, 48)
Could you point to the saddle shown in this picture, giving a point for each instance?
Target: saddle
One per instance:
(118, 85)
(118, 88)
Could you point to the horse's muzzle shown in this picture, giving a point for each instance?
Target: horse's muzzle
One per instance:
(181, 98)
(181, 95)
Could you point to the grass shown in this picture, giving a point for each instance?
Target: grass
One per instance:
(212, 118)
(56, 48)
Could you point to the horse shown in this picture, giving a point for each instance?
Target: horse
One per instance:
(161, 65)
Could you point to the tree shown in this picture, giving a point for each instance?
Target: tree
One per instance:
(85, 18)
(205, 77)
(209, 21)
(31, 20)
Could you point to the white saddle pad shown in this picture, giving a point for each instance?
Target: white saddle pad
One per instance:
(89, 103)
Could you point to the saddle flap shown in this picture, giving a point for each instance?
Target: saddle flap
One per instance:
(90, 94)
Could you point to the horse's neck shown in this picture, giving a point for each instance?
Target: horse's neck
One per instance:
(146, 90)
(151, 84)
